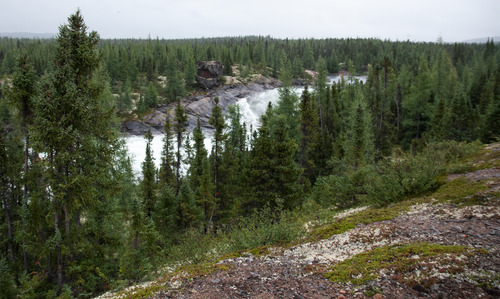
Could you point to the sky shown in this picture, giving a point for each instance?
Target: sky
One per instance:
(415, 20)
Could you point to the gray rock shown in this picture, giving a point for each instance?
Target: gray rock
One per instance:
(208, 74)
(155, 119)
(137, 128)
(199, 105)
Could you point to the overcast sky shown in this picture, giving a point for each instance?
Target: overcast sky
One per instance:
(416, 20)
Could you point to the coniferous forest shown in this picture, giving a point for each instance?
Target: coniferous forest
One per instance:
(76, 222)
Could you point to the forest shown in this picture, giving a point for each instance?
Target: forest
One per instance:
(74, 220)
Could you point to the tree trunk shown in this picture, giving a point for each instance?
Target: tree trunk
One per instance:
(59, 278)
(10, 234)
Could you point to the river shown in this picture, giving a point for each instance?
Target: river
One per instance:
(251, 109)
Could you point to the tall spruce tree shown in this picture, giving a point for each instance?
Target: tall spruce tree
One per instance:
(167, 173)
(148, 183)
(21, 96)
(74, 128)
(309, 127)
(217, 122)
(180, 119)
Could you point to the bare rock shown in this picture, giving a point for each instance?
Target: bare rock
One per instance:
(156, 119)
(208, 74)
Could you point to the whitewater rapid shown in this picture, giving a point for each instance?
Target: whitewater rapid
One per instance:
(251, 110)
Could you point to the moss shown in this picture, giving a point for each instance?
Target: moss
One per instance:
(399, 258)
(145, 292)
(259, 251)
(487, 157)
(460, 191)
(363, 217)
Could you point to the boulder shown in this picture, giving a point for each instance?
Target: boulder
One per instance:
(156, 119)
(208, 74)
(138, 128)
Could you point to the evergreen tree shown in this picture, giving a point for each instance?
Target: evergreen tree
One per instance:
(150, 96)
(125, 99)
(74, 128)
(188, 213)
(217, 122)
(288, 104)
(189, 69)
(308, 56)
(417, 107)
(148, 183)
(308, 129)
(21, 96)
(228, 64)
(175, 87)
(286, 172)
(180, 118)
(460, 120)
(358, 145)
(167, 173)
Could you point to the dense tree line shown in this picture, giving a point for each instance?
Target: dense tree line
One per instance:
(75, 222)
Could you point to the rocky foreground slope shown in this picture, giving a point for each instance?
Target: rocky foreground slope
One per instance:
(445, 245)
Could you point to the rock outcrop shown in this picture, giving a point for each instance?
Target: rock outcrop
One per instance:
(208, 74)
(199, 105)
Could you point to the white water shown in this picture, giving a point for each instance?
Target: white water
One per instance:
(251, 109)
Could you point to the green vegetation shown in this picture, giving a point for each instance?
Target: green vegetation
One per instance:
(402, 259)
(75, 222)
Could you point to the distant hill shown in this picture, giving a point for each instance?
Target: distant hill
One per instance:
(483, 40)
(27, 35)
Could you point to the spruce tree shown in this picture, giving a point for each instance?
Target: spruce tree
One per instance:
(167, 173)
(21, 96)
(460, 120)
(175, 87)
(180, 118)
(309, 127)
(358, 145)
(74, 128)
(148, 183)
(417, 107)
(287, 105)
(217, 122)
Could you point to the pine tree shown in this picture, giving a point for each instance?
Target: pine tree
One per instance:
(358, 145)
(189, 69)
(175, 88)
(288, 104)
(150, 96)
(167, 173)
(286, 172)
(460, 119)
(148, 183)
(21, 96)
(200, 154)
(309, 128)
(217, 122)
(180, 118)
(125, 99)
(188, 213)
(74, 128)
(417, 107)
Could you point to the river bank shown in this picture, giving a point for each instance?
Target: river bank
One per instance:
(201, 105)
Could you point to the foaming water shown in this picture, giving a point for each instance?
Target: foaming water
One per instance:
(251, 108)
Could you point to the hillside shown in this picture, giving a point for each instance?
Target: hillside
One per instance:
(444, 244)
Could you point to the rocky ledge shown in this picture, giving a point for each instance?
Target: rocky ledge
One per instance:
(201, 105)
